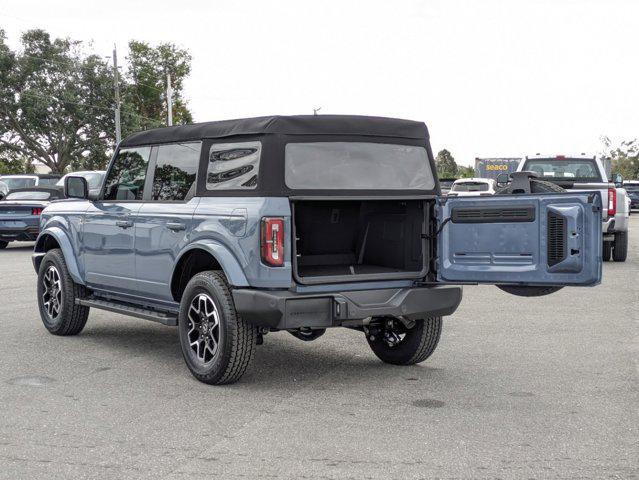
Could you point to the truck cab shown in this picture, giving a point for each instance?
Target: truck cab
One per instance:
(236, 229)
(578, 173)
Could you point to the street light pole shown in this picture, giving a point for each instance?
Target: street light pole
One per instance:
(116, 81)
(169, 99)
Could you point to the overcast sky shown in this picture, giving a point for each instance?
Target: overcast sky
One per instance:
(490, 78)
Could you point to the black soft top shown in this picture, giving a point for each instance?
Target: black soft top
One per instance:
(286, 125)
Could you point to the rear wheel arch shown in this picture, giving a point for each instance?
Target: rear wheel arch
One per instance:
(202, 257)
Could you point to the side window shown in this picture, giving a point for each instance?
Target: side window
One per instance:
(125, 180)
(233, 166)
(175, 171)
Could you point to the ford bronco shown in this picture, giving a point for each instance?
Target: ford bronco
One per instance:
(233, 229)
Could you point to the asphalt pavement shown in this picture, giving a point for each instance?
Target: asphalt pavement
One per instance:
(518, 388)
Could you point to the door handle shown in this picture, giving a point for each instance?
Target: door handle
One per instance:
(175, 226)
(124, 223)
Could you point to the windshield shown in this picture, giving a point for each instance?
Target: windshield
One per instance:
(470, 187)
(564, 169)
(19, 182)
(94, 179)
(632, 188)
(28, 196)
(357, 166)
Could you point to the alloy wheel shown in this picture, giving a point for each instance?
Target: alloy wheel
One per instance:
(52, 295)
(203, 328)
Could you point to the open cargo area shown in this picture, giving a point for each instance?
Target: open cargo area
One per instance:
(340, 239)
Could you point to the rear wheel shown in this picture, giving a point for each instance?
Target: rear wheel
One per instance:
(57, 293)
(3, 244)
(395, 343)
(620, 247)
(536, 186)
(217, 344)
(606, 253)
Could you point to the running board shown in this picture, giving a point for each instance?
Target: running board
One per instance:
(126, 309)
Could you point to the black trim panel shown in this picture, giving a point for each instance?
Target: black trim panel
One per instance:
(493, 214)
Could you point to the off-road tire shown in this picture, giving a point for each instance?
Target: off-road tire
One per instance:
(606, 252)
(419, 343)
(236, 337)
(620, 247)
(536, 186)
(3, 244)
(72, 318)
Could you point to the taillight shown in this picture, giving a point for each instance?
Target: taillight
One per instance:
(272, 242)
(36, 211)
(612, 202)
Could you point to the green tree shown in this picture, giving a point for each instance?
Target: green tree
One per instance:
(445, 164)
(624, 157)
(144, 92)
(465, 171)
(54, 102)
(57, 101)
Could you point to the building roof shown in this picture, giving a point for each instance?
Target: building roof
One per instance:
(287, 125)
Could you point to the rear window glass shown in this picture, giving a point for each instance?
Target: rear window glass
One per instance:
(470, 187)
(357, 166)
(233, 166)
(29, 196)
(564, 169)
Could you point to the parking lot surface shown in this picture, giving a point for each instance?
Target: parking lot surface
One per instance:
(518, 388)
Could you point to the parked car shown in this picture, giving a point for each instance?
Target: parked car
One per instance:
(94, 180)
(632, 187)
(472, 187)
(445, 184)
(4, 189)
(580, 173)
(20, 213)
(29, 180)
(230, 230)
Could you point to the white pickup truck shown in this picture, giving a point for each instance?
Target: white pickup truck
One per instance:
(582, 173)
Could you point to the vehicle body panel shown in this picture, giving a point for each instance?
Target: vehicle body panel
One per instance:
(549, 239)
(107, 245)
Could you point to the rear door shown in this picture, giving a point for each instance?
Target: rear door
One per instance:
(545, 240)
(165, 220)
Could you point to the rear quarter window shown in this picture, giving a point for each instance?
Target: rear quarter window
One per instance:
(233, 166)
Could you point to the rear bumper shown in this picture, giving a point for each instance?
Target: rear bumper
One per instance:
(25, 234)
(283, 309)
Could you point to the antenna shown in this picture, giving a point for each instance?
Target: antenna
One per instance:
(315, 110)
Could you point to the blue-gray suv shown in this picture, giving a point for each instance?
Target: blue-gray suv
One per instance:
(233, 229)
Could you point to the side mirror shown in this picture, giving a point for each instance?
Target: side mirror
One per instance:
(617, 179)
(76, 187)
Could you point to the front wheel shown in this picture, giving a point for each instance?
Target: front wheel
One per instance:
(395, 343)
(217, 344)
(3, 244)
(57, 293)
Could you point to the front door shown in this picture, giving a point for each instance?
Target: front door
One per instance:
(110, 222)
(164, 222)
(538, 240)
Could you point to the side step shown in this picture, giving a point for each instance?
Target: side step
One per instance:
(164, 318)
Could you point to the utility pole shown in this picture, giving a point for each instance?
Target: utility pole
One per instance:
(169, 99)
(116, 81)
